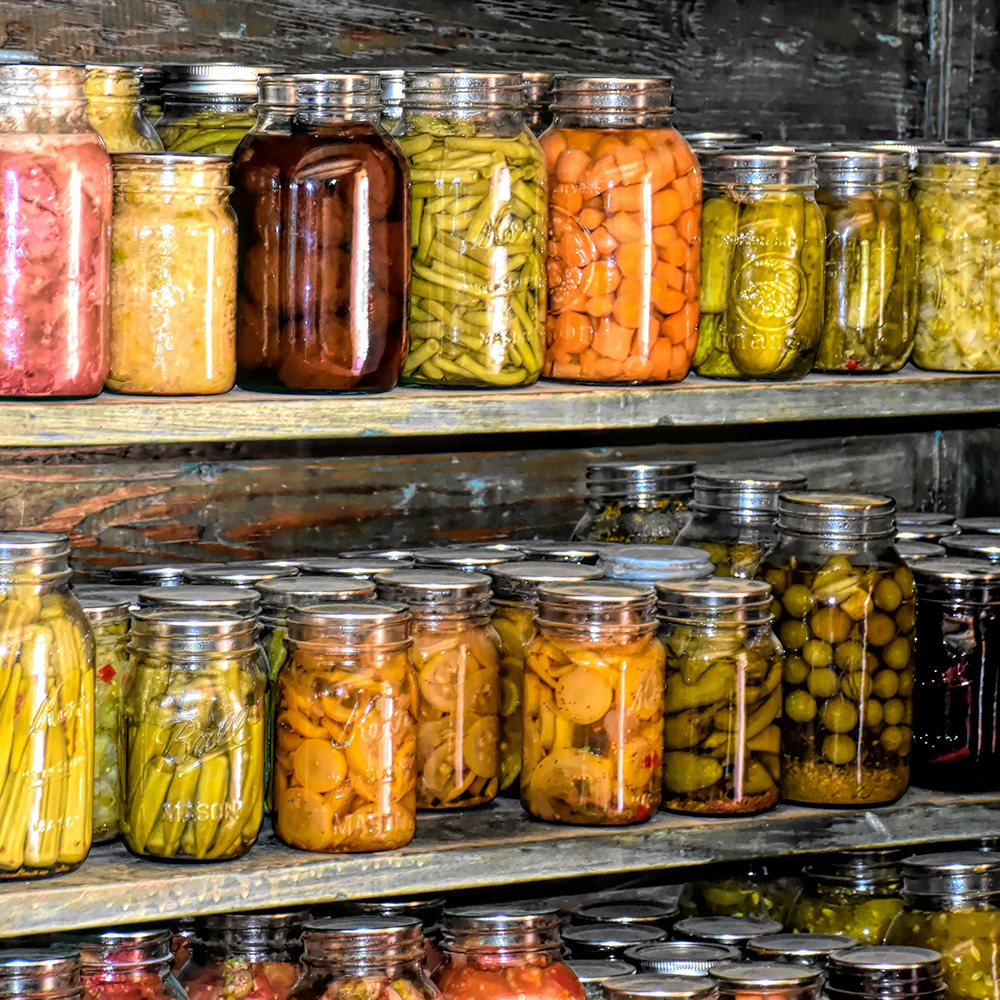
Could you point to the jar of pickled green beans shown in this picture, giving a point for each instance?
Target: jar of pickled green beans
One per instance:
(477, 231)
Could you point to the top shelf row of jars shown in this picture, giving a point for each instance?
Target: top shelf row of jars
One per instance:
(460, 252)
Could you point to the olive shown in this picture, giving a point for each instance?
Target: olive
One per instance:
(857, 685)
(798, 600)
(839, 749)
(837, 564)
(800, 707)
(907, 744)
(894, 712)
(897, 653)
(777, 578)
(905, 684)
(908, 712)
(881, 629)
(905, 580)
(886, 684)
(796, 670)
(817, 653)
(830, 624)
(873, 714)
(839, 715)
(891, 739)
(823, 683)
(888, 594)
(906, 618)
(793, 635)
(849, 655)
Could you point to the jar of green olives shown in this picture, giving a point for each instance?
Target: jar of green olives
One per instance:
(846, 621)
(733, 518)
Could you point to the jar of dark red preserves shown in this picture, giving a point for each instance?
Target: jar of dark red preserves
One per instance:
(320, 193)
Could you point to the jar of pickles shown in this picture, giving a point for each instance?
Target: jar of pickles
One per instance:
(193, 733)
(46, 709)
(846, 622)
(762, 266)
(173, 276)
(114, 112)
(477, 231)
(636, 502)
(768, 981)
(593, 706)
(345, 736)
(959, 214)
(952, 905)
(40, 974)
(320, 193)
(624, 235)
(747, 889)
(109, 621)
(722, 737)
(733, 518)
(515, 601)
(895, 973)
(56, 208)
(127, 964)
(456, 656)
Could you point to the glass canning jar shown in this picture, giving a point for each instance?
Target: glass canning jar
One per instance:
(610, 940)
(768, 981)
(644, 912)
(846, 622)
(734, 516)
(538, 87)
(40, 974)
(490, 954)
(456, 656)
(426, 909)
(47, 709)
(952, 905)
(150, 101)
(762, 270)
(681, 958)
(798, 949)
(593, 706)
(393, 83)
(736, 932)
(915, 552)
(885, 973)
(593, 973)
(246, 575)
(722, 702)
(114, 112)
(127, 964)
(202, 597)
(515, 602)
(624, 235)
(345, 732)
(471, 558)
(193, 732)
(57, 211)
(320, 194)
(477, 231)
(651, 564)
(966, 546)
(655, 986)
(751, 888)
(637, 502)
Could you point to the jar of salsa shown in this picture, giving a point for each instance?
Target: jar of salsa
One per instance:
(894, 973)
(131, 964)
(320, 194)
(766, 981)
(40, 974)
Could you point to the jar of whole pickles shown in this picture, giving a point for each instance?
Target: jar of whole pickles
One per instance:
(193, 732)
(768, 981)
(722, 701)
(895, 973)
(762, 266)
(959, 214)
(846, 622)
(109, 622)
(952, 905)
(58, 189)
(593, 706)
(636, 502)
(202, 597)
(323, 276)
(345, 733)
(477, 231)
(515, 602)
(40, 974)
(734, 516)
(130, 963)
(47, 709)
(624, 236)
(798, 949)
(114, 111)
(173, 276)
(753, 888)
(514, 951)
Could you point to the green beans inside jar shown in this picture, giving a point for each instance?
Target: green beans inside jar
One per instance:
(846, 622)
(478, 228)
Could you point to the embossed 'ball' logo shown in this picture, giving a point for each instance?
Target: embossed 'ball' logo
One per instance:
(770, 292)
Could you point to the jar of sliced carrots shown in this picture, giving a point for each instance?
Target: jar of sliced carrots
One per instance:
(624, 234)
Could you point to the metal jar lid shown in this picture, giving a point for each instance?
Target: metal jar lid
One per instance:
(735, 931)
(498, 926)
(190, 631)
(851, 514)
(212, 79)
(764, 975)
(742, 491)
(470, 560)
(886, 971)
(236, 600)
(320, 90)
(365, 937)
(156, 574)
(103, 607)
(613, 94)
(432, 88)
(245, 574)
(376, 622)
(979, 525)
(497, 546)
(871, 870)
(641, 479)
(626, 911)
(914, 552)
(393, 555)
(926, 533)
(985, 547)
(252, 935)
(130, 949)
(426, 909)
(799, 949)
(957, 579)
(922, 518)
(361, 568)
(714, 600)
(599, 970)
(682, 958)
(596, 602)
(653, 563)
(609, 940)
(574, 552)
(775, 166)
(655, 986)
(32, 972)
(429, 587)
(716, 140)
(861, 166)
(519, 582)
(955, 873)
(277, 596)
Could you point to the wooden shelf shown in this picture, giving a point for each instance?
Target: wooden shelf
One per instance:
(549, 406)
(496, 845)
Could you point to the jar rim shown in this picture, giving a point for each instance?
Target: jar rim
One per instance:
(522, 579)
(283, 593)
(239, 600)
(660, 986)
(955, 571)
(750, 974)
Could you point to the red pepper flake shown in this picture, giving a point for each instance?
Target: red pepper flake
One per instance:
(107, 673)
(852, 365)
(642, 811)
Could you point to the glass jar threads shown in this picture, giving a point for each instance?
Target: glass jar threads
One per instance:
(762, 254)
(477, 231)
(57, 207)
(767, 981)
(722, 702)
(593, 706)
(46, 709)
(40, 974)
(320, 194)
(624, 213)
(893, 973)
(114, 112)
(956, 199)
(130, 963)
(455, 654)
(193, 734)
(846, 622)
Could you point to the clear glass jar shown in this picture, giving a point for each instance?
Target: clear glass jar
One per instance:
(593, 973)
(643, 912)
(624, 236)
(762, 260)
(651, 564)
(320, 193)
(959, 212)
(752, 888)
(109, 622)
(477, 231)
(846, 622)
(173, 276)
(892, 973)
(456, 656)
(681, 958)
(655, 986)
(345, 732)
(130, 965)
(734, 517)
(952, 906)
(978, 525)
(377, 958)
(492, 954)
(610, 940)
(150, 101)
(766, 981)
(114, 112)
(985, 548)
(40, 974)
(515, 602)
(538, 88)
(193, 732)
(798, 949)
(916, 552)
(57, 211)
(232, 600)
(425, 909)
(593, 706)
(722, 737)
(247, 575)
(46, 709)
(736, 932)
(636, 502)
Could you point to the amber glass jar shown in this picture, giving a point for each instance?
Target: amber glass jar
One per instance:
(40, 974)
(131, 963)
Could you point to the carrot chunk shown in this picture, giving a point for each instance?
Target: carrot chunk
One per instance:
(573, 332)
(667, 207)
(571, 165)
(568, 197)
